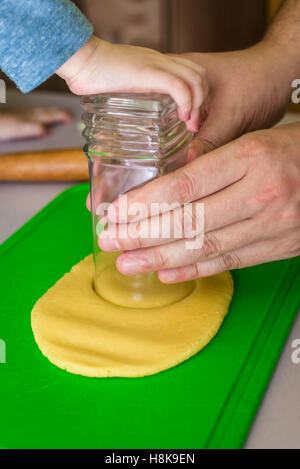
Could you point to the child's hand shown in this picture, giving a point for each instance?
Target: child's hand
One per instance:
(100, 67)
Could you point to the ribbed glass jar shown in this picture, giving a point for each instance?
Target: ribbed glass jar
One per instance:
(130, 139)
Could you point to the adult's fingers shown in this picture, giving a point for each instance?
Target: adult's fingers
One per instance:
(223, 208)
(200, 178)
(252, 254)
(176, 254)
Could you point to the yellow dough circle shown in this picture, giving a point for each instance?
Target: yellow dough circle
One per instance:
(82, 333)
(137, 291)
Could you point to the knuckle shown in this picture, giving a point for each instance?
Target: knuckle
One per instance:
(131, 239)
(229, 261)
(159, 259)
(189, 220)
(254, 144)
(280, 190)
(211, 245)
(197, 78)
(205, 140)
(195, 271)
(211, 144)
(177, 84)
(184, 187)
(198, 68)
(179, 88)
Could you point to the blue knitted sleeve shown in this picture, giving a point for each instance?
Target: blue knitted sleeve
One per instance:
(37, 37)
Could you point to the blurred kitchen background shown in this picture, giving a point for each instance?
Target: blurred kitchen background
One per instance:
(34, 171)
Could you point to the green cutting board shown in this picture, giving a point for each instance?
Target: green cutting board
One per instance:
(208, 401)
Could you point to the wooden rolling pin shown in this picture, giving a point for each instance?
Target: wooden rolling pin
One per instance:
(52, 165)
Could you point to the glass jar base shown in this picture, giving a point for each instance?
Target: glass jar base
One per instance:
(143, 291)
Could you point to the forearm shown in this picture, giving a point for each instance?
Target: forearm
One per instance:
(37, 37)
(284, 36)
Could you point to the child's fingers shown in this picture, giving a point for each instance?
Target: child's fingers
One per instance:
(193, 80)
(172, 84)
(195, 75)
(193, 123)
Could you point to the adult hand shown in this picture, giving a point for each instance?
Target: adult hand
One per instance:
(100, 67)
(251, 194)
(248, 90)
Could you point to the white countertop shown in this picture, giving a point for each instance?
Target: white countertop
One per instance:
(277, 424)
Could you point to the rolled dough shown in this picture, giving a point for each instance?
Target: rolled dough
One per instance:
(84, 334)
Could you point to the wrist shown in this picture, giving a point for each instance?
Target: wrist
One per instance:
(80, 60)
(283, 53)
(279, 68)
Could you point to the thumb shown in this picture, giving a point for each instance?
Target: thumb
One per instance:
(216, 129)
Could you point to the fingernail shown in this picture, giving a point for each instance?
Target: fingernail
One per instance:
(184, 116)
(196, 127)
(168, 276)
(108, 244)
(130, 266)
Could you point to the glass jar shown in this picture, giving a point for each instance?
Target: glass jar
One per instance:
(130, 139)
